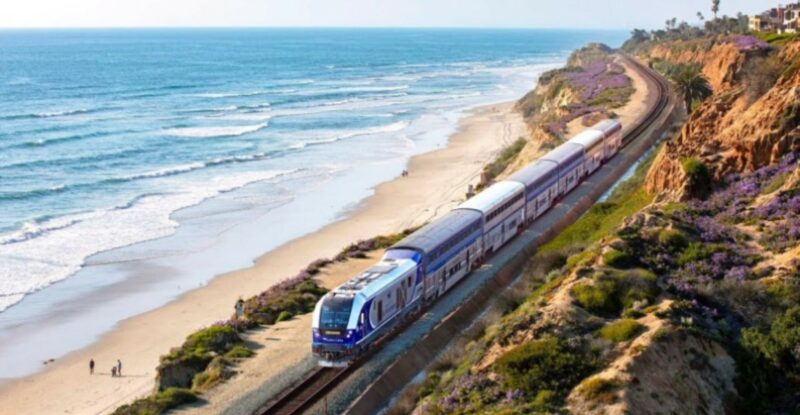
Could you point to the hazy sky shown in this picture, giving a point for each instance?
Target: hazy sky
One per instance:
(398, 13)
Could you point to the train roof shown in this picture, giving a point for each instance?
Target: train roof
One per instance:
(607, 126)
(430, 236)
(375, 278)
(588, 138)
(535, 173)
(565, 153)
(495, 195)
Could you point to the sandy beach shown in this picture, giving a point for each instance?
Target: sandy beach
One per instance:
(437, 181)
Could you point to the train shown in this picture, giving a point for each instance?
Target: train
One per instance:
(424, 265)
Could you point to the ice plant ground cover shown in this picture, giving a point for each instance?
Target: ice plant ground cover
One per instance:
(601, 85)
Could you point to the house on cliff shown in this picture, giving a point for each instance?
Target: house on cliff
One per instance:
(781, 19)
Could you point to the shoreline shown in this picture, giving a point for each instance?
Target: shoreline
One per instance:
(438, 180)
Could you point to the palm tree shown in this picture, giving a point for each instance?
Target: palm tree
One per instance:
(700, 17)
(690, 83)
(715, 8)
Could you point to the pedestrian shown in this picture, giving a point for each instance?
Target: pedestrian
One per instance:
(119, 367)
(239, 307)
(91, 366)
(113, 371)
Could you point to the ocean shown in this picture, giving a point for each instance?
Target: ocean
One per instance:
(109, 137)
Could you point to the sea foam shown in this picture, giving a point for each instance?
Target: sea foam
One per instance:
(35, 256)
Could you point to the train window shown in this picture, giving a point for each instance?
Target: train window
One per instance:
(380, 311)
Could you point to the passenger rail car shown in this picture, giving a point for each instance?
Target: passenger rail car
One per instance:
(424, 265)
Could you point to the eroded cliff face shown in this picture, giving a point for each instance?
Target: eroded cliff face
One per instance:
(731, 132)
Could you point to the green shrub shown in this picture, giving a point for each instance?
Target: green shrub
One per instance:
(673, 239)
(539, 365)
(429, 385)
(173, 397)
(699, 177)
(599, 390)
(216, 372)
(620, 330)
(502, 161)
(284, 315)
(239, 352)
(618, 259)
(598, 298)
(616, 290)
(698, 251)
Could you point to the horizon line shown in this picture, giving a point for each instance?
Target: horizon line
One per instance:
(310, 27)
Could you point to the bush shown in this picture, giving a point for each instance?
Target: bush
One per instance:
(502, 161)
(173, 397)
(239, 352)
(539, 365)
(614, 291)
(284, 315)
(599, 389)
(598, 298)
(699, 177)
(621, 330)
(216, 372)
(698, 251)
(618, 259)
(673, 239)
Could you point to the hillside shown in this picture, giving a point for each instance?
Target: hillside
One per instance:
(680, 293)
(593, 85)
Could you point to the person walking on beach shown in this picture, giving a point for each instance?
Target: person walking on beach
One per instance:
(91, 366)
(239, 307)
(119, 367)
(113, 371)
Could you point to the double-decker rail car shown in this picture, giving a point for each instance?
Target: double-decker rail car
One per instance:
(502, 206)
(445, 250)
(541, 187)
(594, 153)
(612, 136)
(424, 265)
(569, 157)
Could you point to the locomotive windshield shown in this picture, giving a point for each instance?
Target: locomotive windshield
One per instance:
(335, 313)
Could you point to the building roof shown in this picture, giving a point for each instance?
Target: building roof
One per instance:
(492, 197)
(430, 236)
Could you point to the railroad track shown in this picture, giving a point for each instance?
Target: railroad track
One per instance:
(316, 384)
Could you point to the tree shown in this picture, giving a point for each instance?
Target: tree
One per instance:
(639, 35)
(715, 8)
(674, 22)
(700, 17)
(690, 83)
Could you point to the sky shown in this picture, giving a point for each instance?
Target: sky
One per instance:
(594, 14)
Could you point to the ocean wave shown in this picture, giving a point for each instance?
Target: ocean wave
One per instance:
(229, 94)
(48, 114)
(63, 139)
(218, 131)
(382, 129)
(33, 257)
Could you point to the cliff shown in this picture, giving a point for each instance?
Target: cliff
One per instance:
(750, 121)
